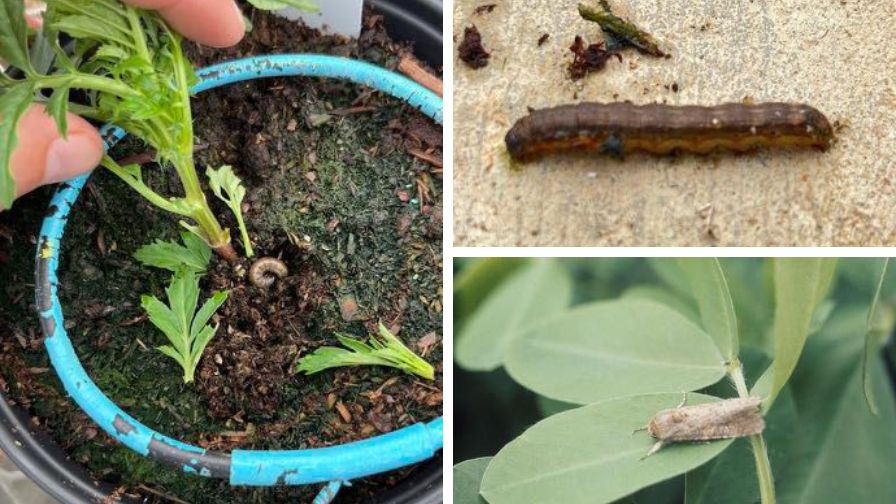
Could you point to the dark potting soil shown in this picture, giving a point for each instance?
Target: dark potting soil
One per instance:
(339, 191)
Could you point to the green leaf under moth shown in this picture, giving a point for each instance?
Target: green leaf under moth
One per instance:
(467, 478)
(14, 34)
(590, 454)
(534, 293)
(607, 349)
(710, 289)
(194, 255)
(384, 349)
(14, 102)
(800, 286)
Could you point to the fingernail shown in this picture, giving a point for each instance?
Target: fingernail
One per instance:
(239, 13)
(69, 158)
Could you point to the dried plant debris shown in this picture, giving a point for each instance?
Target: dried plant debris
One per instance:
(621, 32)
(471, 51)
(590, 58)
(485, 9)
(543, 38)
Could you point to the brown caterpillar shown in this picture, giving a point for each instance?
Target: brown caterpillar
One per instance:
(620, 128)
(264, 271)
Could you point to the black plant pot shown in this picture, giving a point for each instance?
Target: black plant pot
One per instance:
(42, 460)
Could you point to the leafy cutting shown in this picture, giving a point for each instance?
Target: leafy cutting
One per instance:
(187, 330)
(229, 189)
(384, 349)
(192, 256)
(133, 70)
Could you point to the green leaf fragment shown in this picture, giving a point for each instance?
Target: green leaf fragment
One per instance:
(384, 349)
(875, 328)
(14, 34)
(229, 189)
(302, 5)
(57, 108)
(14, 102)
(193, 256)
(710, 289)
(467, 478)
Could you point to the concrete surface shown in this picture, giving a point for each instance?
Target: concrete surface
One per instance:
(16, 488)
(837, 55)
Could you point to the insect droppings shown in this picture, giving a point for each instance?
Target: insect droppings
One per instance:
(726, 419)
(619, 128)
(266, 270)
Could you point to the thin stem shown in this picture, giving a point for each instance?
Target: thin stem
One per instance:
(144, 190)
(760, 451)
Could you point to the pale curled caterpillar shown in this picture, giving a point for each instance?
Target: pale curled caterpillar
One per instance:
(726, 419)
(266, 270)
(620, 128)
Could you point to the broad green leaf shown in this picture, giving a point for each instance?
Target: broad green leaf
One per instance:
(14, 102)
(549, 406)
(876, 328)
(476, 279)
(710, 289)
(57, 108)
(467, 478)
(302, 5)
(14, 34)
(664, 296)
(668, 270)
(750, 284)
(839, 452)
(541, 289)
(731, 477)
(590, 454)
(615, 348)
(800, 286)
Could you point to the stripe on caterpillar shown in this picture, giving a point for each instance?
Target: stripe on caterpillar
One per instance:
(619, 128)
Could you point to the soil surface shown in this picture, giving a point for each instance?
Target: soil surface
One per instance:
(340, 190)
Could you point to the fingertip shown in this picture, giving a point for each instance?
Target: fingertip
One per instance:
(215, 23)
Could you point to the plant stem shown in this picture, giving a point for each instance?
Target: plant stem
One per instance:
(760, 451)
(87, 81)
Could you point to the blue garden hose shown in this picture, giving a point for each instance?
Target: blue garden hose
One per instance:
(336, 464)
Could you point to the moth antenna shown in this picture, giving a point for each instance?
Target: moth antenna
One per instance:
(639, 429)
(656, 447)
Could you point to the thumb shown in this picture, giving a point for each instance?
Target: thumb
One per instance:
(42, 156)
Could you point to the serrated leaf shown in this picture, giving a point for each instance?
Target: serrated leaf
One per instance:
(14, 34)
(710, 289)
(57, 108)
(193, 256)
(14, 102)
(205, 313)
(589, 454)
(535, 292)
(467, 478)
(614, 348)
(229, 188)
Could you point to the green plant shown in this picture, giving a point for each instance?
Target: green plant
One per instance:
(605, 366)
(192, 256)
(382, 350)
(134, 72)
(303, 5)
(229, 189)
(187, 330)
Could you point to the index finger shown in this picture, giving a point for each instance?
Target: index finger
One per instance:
(215, 23)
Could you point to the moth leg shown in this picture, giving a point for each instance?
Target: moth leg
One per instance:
(684, 400)
(656, 447)
(639, 429)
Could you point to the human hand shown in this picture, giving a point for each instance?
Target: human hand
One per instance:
(43, 157)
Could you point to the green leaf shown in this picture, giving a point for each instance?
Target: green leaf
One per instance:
(800, 286)
(14, 34)
(710, 289)
(229, 189)
(614, 348)
(839, 452)
(57, 108)
(590, 454)
(302, 5)
(383, 350)
(186, 331)
(476, 279)
(14, 102)
(874, 334)
(193, 256)
(664, 296)
(534, 293)
(670, 273)
(548, 406)
(731, 477)
(467, 478)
